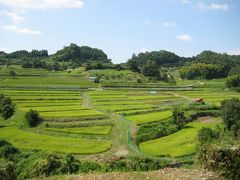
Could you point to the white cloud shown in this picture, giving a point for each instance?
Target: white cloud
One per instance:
(143, 50)
(213, 6)
(19, 30)
(13, 16)
(8, 27)
(28, 31)
(185, 1)
(184, 37)
(169, 24)
(42, 4)
(234, 52)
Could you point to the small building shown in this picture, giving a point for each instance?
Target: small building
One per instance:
(198, 100)
(92, 79)
(189, 87)
(153, 92)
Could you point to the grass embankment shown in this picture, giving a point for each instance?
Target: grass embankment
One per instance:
(150, 117)
(98, 130)
(27, 140)
(181, 143)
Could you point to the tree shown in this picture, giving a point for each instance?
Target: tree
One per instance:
(7, 107)
(178, 116)
(231, 115)
(133, 65)
(97, 79)
(207, 135)
(150, 69)
(12, 73)
(7, 169)
(233, 81)
(33, 118)
(203, 71)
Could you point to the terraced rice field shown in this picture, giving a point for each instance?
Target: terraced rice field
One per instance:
(64, 113)
(27, 140)
(82, 121)
(101, 130)
(181, 143)
(150, 117)
(119, 101)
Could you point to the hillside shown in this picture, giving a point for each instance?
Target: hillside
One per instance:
(59, 122)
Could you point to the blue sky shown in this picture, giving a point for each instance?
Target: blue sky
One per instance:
(121, 28)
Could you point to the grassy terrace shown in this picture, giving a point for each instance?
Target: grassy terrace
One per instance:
(28, 140)
(181, 143)
(62, 109)
(150, 117)
(100, 130)
(107, 116)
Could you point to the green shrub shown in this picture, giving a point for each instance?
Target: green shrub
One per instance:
(33, 118)
(89, 167)
(231, 115)
(207, 135)
(233, 81)
(156, 130)
(226, 161)
(203, 71)
(46, 164)
(7, 150)
(7, 107)
(178, 116)
(7, 169)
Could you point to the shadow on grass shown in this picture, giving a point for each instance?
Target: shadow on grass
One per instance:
(188, 127)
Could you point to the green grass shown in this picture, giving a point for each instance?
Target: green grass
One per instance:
(150, 117)
(71, 113)
(27, 140)
(124, 107)
(110, 75)
(181, 143)
(98, 130)
(44, 79)
(57, 108)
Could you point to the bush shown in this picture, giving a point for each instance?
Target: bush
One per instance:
(33, 118)
(7, 107)
(178, 116)
(227, 161)
(233, 81)
(12, 73)
(203, 71)
(46, 164)
(97, 79)
(206, 135)
(7, 151)
(156, 130)
(231, 115)
(7, 169)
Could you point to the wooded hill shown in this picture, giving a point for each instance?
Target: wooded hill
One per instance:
(74, 56)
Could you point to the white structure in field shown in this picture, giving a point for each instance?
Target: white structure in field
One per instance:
(92, 79)
(153, 92)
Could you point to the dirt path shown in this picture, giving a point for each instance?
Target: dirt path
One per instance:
(122, 143)
(119, 135)
(163, 174)
(178, 95)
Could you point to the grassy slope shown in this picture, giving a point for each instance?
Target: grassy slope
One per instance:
(101, 130)
(179, 144)
(28, 140)
(150, 117)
